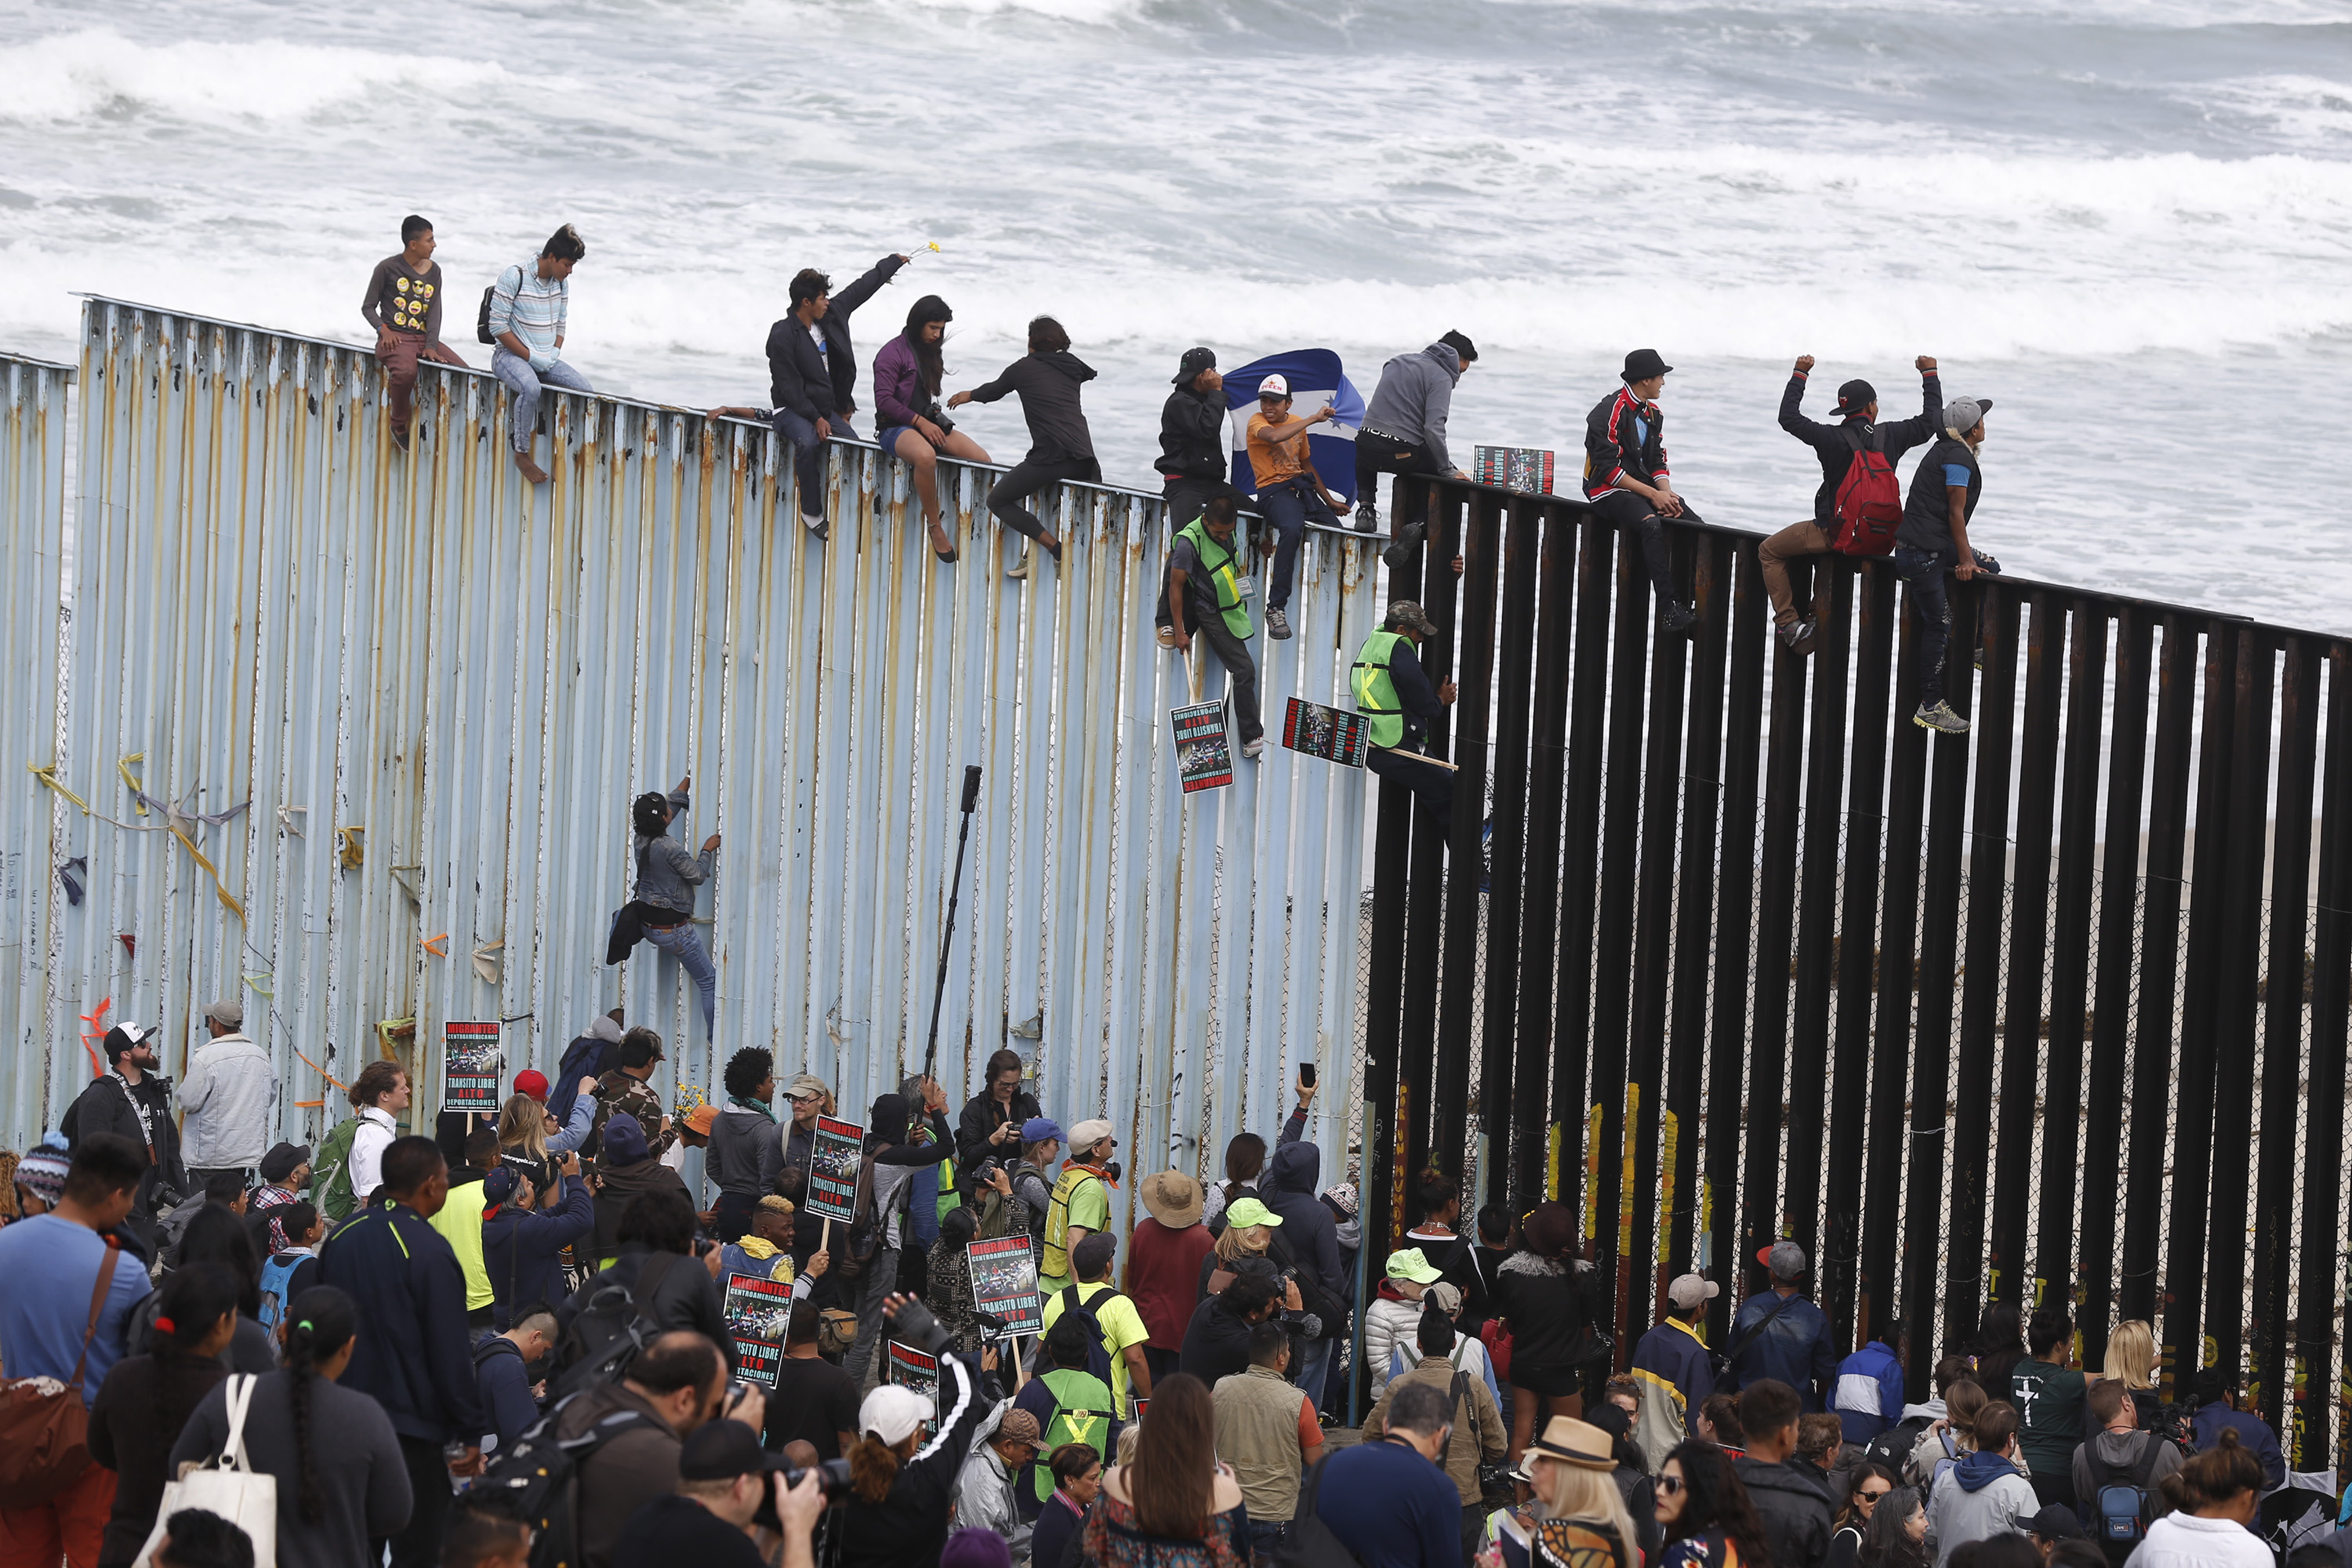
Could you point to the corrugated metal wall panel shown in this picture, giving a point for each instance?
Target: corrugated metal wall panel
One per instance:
(440, 689)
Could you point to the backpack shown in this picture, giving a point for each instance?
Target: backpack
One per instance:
(276, 1275)
(1869, 499)
(538, 1479)
(586, 1056)
(1310, 1542)
(1074, 1423)
(482, 332)
(2123, 1509)
(1098, 1357)
(606, 1336)
(1893, 1446)
(44, 1424)
(330, 1173)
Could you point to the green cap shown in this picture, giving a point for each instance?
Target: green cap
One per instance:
(1249, 1212)
(1407, 1263)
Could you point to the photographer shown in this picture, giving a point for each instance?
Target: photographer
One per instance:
(725, 1482)
(901, 1485)
(1217, 1341)
(993, 1118)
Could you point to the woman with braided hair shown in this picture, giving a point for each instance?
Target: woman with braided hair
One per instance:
(343, 1488)
(146, 1399)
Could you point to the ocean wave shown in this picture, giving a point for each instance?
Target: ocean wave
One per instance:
(96, 71)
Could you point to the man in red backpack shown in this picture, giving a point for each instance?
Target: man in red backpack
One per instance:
(1837, 445)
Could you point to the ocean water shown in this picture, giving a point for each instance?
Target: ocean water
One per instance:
(2128, 222)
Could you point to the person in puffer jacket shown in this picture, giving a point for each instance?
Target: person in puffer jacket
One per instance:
(1869, 1395)
(1394, 1316)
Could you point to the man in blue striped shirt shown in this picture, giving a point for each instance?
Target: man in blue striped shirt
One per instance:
(530, 307)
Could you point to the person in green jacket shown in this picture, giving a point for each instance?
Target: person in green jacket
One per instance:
(1389, 684)
(1209, 590)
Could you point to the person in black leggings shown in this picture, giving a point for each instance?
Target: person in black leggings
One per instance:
(1060, 445)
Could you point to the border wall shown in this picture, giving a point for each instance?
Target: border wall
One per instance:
(354, 733)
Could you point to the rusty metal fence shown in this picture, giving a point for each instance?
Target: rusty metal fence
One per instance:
(354, 733)
(2051, 1012)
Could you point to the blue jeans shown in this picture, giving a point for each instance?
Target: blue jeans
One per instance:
(524, 383)
(1266, 1536)
(1924, 570)
(1313, 1364)
(1288, 506)
(808, 457)
(683, 943)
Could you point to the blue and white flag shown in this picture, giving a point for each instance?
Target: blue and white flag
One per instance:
(1315, 379)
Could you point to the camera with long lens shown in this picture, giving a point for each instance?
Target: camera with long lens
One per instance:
(831, 1479)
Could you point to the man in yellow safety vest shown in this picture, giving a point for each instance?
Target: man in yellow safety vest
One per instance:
(1390, 686)
(1208, 590)
(1080, 1203)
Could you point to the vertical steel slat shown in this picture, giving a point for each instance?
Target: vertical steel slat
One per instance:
(1685, 1198)
(1612, 947)
(1906, 1131)
(1645, 1045)
(1307, 852)
(1134, 531)
(1580, 875)
(1520, 1180)
(2070, 954)
(2028, 937)
(1505, 542)
(1338, 1058)
(1763, 1204)
(1813, 967)
(1428, 1010)
(2321, 1372)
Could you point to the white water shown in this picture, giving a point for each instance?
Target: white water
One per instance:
(2129, 224)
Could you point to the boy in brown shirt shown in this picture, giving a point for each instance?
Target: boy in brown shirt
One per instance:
(403, 306)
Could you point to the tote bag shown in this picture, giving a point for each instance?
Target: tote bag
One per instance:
(229, 1485)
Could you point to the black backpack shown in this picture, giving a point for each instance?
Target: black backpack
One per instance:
(1893, 1446)
(1310, 1542)
(604, 1339)
(1098, 1355)
(538, 1479)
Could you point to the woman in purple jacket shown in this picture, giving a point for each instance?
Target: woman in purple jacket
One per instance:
(908, 374)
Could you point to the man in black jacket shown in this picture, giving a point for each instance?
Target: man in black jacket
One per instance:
(993, 1119)
(1835, 445)
(1194, 457)
(132, 1101)
(1792, 1505)
(1625, 476)
(413, 1354)
(1060, 444)
(813, 374)
(1217, 1339)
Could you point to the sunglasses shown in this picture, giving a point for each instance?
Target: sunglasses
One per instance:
(1670, 1486)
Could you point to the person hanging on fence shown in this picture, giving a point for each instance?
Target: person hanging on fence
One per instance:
(1933, 539)
(1389, 685)
(1626, 479)
(1204, 591)
(907, 375)
(403, 305)
(526, 315)
(1837, 445)
(662, 911)
(1404, 432)
(1193, 458)
(1049, 379)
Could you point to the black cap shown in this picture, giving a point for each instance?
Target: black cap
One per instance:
(282, 1160)
(721, 1450)
(2056, 1522)
(1643, 363)
(1194, 361)
(1855, 395)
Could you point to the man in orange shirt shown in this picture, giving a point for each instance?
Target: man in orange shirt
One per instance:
(1289, 491)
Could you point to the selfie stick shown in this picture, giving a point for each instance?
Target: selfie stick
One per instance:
(955, 888)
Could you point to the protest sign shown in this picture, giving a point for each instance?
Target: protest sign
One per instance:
(471, 1066)
(1516, 468)
(910, 1368)
(835, 1154)
(1204, 754)
(1004, 1284)
(757, 1310)
(1334, 734)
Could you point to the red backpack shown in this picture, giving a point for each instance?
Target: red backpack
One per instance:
(1869, 500)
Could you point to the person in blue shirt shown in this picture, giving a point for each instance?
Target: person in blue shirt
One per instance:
(1390, 1500)
(1779, 1334)
(2218, 1393)
(1933, 539)
(1676, 1351)
(1869, 1396)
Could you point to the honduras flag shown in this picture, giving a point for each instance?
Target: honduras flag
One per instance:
(1314, 380)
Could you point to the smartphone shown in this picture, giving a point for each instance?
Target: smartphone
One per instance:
(1307, 1074)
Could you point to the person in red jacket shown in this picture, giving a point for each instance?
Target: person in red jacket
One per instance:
(1163, 1265)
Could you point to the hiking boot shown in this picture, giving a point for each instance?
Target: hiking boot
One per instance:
(1404, 546)
(1278, 624)
(1367, 517)
(1940, 717)
(1167, 636)
(1678, 617)
(1794, 633)
(1252, 747)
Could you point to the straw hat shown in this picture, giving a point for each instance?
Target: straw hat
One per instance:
(1574, 1442)
(1173, 1199)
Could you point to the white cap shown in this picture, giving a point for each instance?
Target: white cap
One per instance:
(891, 1412)
(1688, 1290)
(1086, 1134)
(1274, 386)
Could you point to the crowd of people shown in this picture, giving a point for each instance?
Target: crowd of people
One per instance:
(510, 1341)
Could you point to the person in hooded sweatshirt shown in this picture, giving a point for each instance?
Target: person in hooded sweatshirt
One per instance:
(1404, 430)
(1309, 1235)
(746, 1146)
(1060, 445)
(1790, 1499)
(625, 1166)
(1982, 1496)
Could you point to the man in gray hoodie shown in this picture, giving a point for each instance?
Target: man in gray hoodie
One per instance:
(1982, 1496)
(1404, 427)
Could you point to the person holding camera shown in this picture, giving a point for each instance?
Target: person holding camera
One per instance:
(525, 1231)
(992, 1119)
(736, 1507)
(901, 1476)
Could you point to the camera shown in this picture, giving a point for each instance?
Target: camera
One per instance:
(987, 1168)
(831, 1479)
(1113, 1171)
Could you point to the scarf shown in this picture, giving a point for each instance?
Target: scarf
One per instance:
(752, 1105)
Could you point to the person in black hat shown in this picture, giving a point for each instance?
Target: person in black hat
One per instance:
(1625, 476)
(130, 1100)
(723, 1477)
(1193, 456)
(1837, 445)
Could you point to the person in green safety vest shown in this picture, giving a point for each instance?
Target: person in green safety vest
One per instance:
(1389, 684)
(1079, 1206)
(1208, 588)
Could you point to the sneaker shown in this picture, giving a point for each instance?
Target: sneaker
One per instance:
(1404, 546)
(400, 438)
(1278, 624)
(1678, 617)
(1940, 717)
(817, 525)
(1795, 632)
(1367, 517)
(1252, 748)
(1020, 567)
(1167, 637)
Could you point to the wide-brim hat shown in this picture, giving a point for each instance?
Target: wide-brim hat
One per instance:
(1173, 1198)
(1574, 1442)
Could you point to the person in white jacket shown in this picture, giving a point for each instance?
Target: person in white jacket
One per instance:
(1394, 1315)
(230, 1095)
(2214, 1497)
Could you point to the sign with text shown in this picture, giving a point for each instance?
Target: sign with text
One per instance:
(919, 1370)
(1004, 1284)
(838, 1150)
(1516, 468)
(472, 1067)
(757, 1311)
(1334, 734)
(1204, 755)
